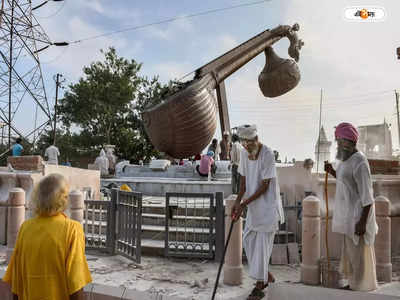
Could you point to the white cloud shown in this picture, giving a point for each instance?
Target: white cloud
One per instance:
(170, 31)
(171, 70)
(82, 54)
(219, 46)
(348, 59)
(93, 5)
(345, 59)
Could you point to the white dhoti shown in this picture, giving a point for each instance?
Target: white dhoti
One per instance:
(358, 265)
(258, 247)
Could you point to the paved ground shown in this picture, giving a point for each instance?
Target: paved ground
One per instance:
(186, 279)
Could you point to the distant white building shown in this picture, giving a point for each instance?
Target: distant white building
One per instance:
(322, 151)
(375, 141)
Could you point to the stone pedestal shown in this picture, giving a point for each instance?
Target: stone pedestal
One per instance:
(16, 216)
(382, 240)
(310, 267)
(233, 268)
(76, 206)
(26, 162)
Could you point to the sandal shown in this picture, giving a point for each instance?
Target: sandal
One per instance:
(256, 294)
(272, 278)
(347, 287)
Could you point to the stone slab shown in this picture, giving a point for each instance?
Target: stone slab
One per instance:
(26, 162)
(103, 292)
(160, 186)
(5, 293)
(293, 251)
(282, 291)
(3, 225)
(158, 169)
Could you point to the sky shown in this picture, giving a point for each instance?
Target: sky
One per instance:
(353, 63)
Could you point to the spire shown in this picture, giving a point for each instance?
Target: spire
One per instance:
(322, 141)
(322, 150)
(322, 135)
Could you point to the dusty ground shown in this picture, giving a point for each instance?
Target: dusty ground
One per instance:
(187, 279)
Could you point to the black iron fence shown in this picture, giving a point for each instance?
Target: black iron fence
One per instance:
(194, 225)
(97, 225)
(114, 225)
(129, 212)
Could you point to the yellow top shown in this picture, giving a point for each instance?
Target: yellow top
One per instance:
(49, 259)
(125, 187)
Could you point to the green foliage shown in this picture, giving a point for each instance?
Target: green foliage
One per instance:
(106, 106)
(68, 143)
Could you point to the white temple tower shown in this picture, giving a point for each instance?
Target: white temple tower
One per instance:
(323, 152)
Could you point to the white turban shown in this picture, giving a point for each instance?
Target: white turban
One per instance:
(247, 132)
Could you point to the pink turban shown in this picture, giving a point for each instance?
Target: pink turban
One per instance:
(346, 131)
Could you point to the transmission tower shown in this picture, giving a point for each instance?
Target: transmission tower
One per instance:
(24, 108)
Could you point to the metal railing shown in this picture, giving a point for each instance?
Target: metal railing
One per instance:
(194, 225)
(129, 224)
(113, 225)
(96, 223)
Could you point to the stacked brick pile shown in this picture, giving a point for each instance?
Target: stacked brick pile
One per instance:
(384, 167)
(26, 163)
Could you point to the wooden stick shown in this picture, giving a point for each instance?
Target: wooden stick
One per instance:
(222, 260)
(327, 223)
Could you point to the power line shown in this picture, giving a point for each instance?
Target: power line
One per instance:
(55, 13)
(291, 104)
(57, 57)
(288, 107)
(168, 21)
(370, 94)
(362, 95)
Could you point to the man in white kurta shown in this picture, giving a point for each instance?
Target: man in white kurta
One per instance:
(259, 192)
(52, 153)
(235, 159)
(354, 211)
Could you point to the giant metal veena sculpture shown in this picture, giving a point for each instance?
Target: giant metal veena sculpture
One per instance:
(184, 123)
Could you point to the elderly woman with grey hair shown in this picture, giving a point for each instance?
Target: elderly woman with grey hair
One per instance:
(49, 260)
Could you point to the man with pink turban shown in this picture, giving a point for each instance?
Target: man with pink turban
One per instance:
(354, 211)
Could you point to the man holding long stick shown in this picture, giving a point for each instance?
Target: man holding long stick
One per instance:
(259, 191)
(354, 211)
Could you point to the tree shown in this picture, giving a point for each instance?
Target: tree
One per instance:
(106, 106)
(99, 102)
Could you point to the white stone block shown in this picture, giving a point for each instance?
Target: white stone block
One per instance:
(159, 164)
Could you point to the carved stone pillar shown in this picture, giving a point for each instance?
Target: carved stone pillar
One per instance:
(76, 205)
(16, 216)
(233, 268)
(382, 240)
(310, 269)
